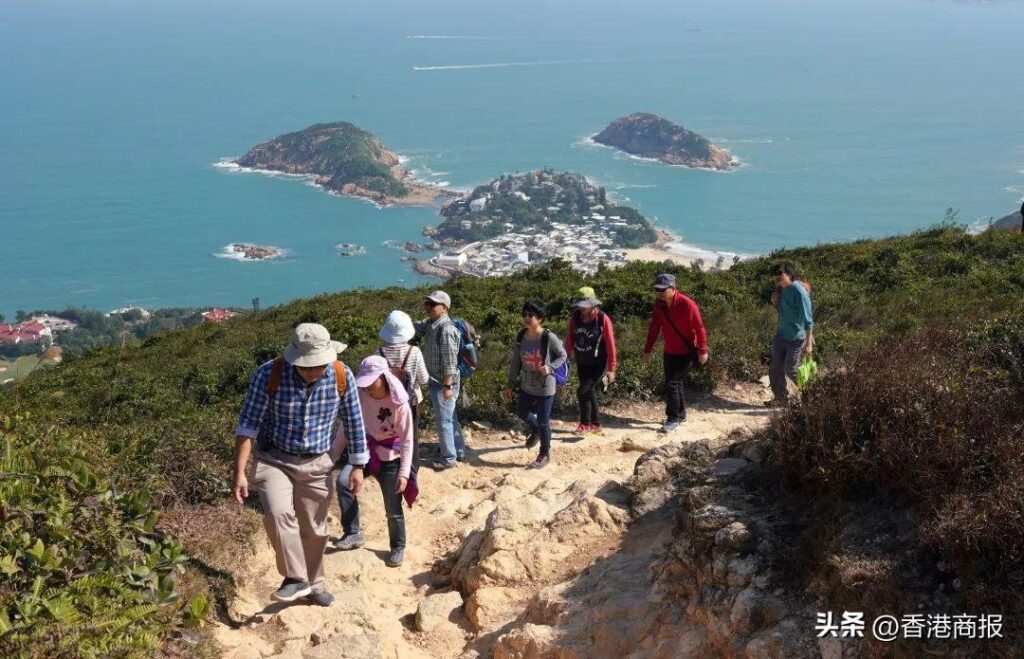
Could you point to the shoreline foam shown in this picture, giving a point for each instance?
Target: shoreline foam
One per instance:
(229, 252)
(415, 198)
(737, 163)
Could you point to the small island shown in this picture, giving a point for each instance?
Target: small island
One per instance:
(521, 220)
(650, 136)
(250, 252)
(344, 159)
(350, 249)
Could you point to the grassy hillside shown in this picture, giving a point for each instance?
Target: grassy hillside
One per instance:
(153, 422)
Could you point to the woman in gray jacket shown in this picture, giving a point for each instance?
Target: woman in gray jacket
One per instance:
(537, 354)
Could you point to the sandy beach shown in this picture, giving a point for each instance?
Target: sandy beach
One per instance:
(658, 251)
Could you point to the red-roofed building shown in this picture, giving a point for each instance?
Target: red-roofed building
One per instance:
(217, 315)
(28, 332)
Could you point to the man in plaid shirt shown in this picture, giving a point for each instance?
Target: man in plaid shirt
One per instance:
(292, 410)
(440, 347)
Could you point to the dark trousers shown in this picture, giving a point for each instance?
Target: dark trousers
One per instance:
(676, 367)
(535, 411)
(586, 394)
(387, 477)
(785, 362)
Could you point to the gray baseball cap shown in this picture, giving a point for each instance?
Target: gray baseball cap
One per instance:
(663, 281)
(441, 298)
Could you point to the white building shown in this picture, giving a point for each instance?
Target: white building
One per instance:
(54, 323)
(478, 204)
(452, 260)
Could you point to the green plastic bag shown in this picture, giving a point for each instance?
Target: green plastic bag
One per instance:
(806, 372)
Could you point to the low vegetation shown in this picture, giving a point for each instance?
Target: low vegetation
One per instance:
(905, 464)
(152, 419)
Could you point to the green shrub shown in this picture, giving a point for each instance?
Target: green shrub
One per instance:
(84, 571)
(927, 427)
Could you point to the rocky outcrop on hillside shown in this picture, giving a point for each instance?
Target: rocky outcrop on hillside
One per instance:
(1011, 222)
(650, 136)
(702, 586)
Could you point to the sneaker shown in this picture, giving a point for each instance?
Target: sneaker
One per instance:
(322, 598)
(774, 403)
(672, 426)
(350, 541)
(291, 590)
(532, 440)
(541, 462)
(461, 457)
(595, 428)
(396, 558)
(582, 428)
(441, 465)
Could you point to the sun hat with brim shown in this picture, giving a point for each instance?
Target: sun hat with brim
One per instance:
(372, 368)
(311, 345)
(398, 328)
(586, 298)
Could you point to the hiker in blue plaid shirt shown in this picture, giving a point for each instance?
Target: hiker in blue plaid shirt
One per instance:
(292, 410)
(440, 345)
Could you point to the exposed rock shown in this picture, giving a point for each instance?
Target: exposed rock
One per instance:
(528, 642)
(632, 444)
(437, 610)
(493, 607)
(353, 646)
(735, 537)
(650, 136)
(710, 593)
(249, 252)
(728, 467)
(1009, 222)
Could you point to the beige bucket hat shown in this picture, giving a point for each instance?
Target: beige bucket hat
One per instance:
(311, 345)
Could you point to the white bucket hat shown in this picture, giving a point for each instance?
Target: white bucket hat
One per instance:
(311, 345)
(397, 328)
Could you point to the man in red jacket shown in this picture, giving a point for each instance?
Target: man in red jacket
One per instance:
(677, 318)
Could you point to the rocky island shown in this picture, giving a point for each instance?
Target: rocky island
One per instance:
(521, 220)
(350, 249)
(650, 136)
(344, 159)
(250, 252)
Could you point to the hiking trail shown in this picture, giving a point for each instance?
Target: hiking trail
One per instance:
(490, 528)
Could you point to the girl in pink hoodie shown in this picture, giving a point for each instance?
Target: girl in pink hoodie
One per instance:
(388, 421)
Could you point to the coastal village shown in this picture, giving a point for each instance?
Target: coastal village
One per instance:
(520, 221)
(40, 339)
(583, 246)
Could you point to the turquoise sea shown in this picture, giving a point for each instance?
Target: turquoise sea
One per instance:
(855, 118)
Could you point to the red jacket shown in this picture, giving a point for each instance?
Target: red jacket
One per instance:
(685, 315)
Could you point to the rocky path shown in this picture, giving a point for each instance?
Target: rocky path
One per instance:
(484, 540)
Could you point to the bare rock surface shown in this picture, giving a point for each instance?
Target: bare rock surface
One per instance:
(508, 562)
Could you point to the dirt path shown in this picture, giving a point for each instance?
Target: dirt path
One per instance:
(496, 530)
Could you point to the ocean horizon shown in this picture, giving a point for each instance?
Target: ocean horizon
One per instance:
(851, 120)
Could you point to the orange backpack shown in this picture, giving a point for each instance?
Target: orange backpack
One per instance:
(278, 367)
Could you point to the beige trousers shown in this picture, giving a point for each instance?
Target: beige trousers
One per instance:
(295, 494)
